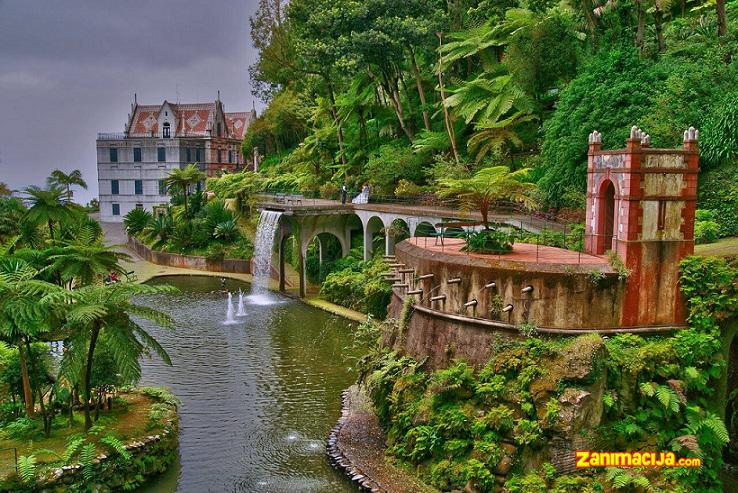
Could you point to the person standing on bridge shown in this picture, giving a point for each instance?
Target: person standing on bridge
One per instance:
(344, 191)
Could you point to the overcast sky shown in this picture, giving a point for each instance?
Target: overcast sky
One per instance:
(69, 69)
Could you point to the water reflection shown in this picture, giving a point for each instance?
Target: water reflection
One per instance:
(258, 396)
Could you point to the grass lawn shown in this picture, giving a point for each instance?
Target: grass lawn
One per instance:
(128, 419)
(725, 247)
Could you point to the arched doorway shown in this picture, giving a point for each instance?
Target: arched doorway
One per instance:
(605, 217)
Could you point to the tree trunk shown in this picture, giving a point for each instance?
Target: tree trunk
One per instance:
(484, 210)
(334, 112)
(447, 120)
(51, 230)
(390, 88)
(88, 374)
(658, 17)
(641, 29)
(27, 392)
(421, 91)
(184, 192)
(98, 403)
(591, 20)
(721, 18)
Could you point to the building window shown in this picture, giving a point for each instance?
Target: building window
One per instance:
(662, 216)
(113, 155)
(219, 156)
(161, 154)
(189, 155)
(136, 154)
(198, 155)
(116, 209)
(138, 186)
(220, 129)
(162, 187)
(114, 187)
(165, 130)
(139, 206)
(230, 156)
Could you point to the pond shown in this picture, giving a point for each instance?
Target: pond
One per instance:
(259, 396)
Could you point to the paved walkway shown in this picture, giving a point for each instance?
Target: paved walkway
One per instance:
(316, 206)
(522, 252)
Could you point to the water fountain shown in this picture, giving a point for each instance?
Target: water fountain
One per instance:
(229, 311)
(268, 223)
(240, 312)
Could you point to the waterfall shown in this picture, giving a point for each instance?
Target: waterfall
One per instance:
(268, 222)
(229, 311)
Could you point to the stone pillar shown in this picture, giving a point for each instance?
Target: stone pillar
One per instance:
(389, 243)
(300, 259)
(367, 242)
(282, 273)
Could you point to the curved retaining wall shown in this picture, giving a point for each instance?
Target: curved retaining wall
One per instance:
(565, 296)
(238, 266)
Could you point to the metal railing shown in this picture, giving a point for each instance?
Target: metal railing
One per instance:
(111, 136)
(427, 204)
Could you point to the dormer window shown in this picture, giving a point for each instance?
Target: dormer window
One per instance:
(165, 130)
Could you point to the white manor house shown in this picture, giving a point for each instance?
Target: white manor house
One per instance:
(132, 165)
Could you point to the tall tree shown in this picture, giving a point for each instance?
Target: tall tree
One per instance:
(487, 186)
(26, 311)
(63, 180)
(183, 179)
(49, 206)
(100, 307)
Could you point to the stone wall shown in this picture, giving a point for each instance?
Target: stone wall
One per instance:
(563, 296)
(238, 266)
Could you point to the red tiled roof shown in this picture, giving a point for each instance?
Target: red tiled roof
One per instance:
(238, 123)
(189, 120)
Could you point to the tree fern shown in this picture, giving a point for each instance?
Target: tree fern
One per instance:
(27, 468)
(116, 446)
(86, 458)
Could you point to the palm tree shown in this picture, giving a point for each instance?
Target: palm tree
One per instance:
(183, 178)
(108, 307)
(26, 310)
(49, 206)
(487, 186)
(62, 180)
(84, 260)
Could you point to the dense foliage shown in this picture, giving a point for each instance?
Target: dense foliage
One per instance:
(60, 283)
(415, 93)
(460, 426)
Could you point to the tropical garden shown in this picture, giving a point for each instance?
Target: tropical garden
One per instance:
(70, 348)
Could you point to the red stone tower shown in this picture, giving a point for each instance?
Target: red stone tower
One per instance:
(641, 204)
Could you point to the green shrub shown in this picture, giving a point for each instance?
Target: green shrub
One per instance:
(136, 221)
(407, 189)
(706, 231)
(488, 241)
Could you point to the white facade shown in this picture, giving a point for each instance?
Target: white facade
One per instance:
(125, 173)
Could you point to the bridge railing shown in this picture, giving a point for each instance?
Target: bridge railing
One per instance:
(429, 202)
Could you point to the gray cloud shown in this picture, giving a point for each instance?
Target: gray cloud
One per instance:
(69, 68)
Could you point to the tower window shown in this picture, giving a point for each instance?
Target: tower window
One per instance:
(138, 187)
(161, 154)
(662, 216)
(113, 155)
(165, 130)
(116, 209)
(114, 187)
(136, 154)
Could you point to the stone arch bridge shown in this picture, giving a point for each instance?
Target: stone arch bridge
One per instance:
(310, 218)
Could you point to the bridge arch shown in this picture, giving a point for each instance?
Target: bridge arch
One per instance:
(373, 225)
(423, 228)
